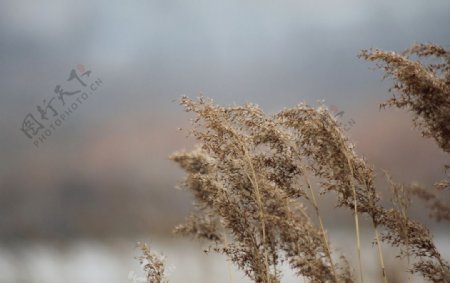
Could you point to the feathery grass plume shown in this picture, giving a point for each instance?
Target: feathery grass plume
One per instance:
(153, 264)
(401, 201)
(412, 238)
(250, 178)
(246, 181)
(330, 156)
(424, 89)
(423, 86)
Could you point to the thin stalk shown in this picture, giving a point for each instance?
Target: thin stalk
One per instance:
(254, 182)
(319, 216)
(380, 253)
(378, 240)
(355, 204)
(316, 208)
(405, 227)
(261, 213)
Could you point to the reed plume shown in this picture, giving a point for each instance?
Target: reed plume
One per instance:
(254, 175)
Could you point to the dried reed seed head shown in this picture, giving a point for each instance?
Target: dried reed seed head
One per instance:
(432, 272)
(330, 156)
(203, 227)
(249, 171)
(153, 264)
(250, 180)
(423, 87)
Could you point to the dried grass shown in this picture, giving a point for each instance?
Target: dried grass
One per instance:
(251, 178)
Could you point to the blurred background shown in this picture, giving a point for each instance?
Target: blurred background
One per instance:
(75, 198)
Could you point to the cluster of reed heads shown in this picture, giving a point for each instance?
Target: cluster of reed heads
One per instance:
(255, 177)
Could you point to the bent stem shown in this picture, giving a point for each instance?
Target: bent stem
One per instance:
(261, 212)
(322, 228)
(355, 204)
(254, 182)
(317, 210)
(380, 253)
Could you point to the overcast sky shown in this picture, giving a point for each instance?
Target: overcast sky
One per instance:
(147, 53)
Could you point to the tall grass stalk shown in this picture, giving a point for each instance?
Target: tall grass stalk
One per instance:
(246, 178)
